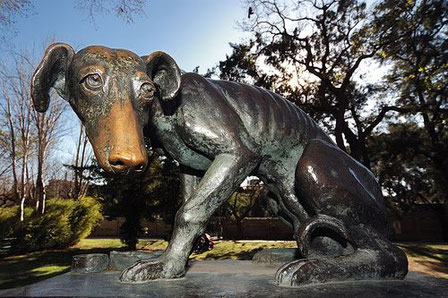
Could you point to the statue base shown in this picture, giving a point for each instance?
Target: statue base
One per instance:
(227, 278)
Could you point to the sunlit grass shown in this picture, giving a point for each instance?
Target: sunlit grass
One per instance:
(116, 244)
(46, 270)
(239, 250)
(99, 243)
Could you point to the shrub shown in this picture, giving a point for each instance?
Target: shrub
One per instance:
(63, 224)
(84, 218)
(7, 223)
(7, 216)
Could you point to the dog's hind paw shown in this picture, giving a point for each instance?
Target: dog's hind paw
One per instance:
(308, 271)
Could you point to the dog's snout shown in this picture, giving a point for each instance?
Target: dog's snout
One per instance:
(127, 163)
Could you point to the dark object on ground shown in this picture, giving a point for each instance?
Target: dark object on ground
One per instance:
(228, 278)
(203, 244)
(220, 133)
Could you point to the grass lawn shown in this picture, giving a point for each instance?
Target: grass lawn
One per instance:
(21, 270)
(235, 250)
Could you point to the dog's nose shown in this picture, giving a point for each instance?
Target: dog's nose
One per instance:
(127, 163)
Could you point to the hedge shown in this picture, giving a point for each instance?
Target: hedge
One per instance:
(63, 224)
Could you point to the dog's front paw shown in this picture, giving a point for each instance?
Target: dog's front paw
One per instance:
(143, 271)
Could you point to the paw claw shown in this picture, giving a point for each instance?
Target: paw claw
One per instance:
(285, 274)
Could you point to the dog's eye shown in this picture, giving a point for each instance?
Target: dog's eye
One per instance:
(147, 90)
(93, 81)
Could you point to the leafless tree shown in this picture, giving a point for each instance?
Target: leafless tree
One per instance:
(82, 158)
(10, 12)
(28, 137)
(125, 9)
(17, 109)
(48, 131)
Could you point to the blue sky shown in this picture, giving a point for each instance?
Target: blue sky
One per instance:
(193, 32)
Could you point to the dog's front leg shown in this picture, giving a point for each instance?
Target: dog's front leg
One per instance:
(225, 174)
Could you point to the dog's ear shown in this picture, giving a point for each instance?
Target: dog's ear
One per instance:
(51, 72)
(164, 72)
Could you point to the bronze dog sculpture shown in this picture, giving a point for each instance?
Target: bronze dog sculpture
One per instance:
(221, 132)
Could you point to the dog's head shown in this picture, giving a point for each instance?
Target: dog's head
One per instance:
(111, 91)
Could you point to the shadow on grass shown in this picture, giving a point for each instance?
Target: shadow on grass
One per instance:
(434, 252)
(238, 255)
(16, 271)
(435, 257)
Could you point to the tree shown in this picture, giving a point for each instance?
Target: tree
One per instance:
(310, 52)
(313, 52)
(242, 202)
(406, 171)
(17, 110)
(28, 138)
(418, 76)
(12, 10)
(152, 195)
(81, 159)
(401, 173)
(125, 9)
(48, 131)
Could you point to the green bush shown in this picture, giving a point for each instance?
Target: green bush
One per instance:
(7, 222)
(84, 218)
(7, 218)
(63, 224)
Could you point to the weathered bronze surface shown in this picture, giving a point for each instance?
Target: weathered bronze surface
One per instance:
(221, 132)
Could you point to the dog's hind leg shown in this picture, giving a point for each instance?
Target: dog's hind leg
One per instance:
(346, 235)
(284, 203)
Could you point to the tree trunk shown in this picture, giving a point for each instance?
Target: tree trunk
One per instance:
(40, 191)
(22, 186)
(40, 186)
(78, 189)
(13, 147)
(239, 227)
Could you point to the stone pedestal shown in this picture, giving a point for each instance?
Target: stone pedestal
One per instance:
(275, 256)
(120, 260)
(227, 278)
(90, 263)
